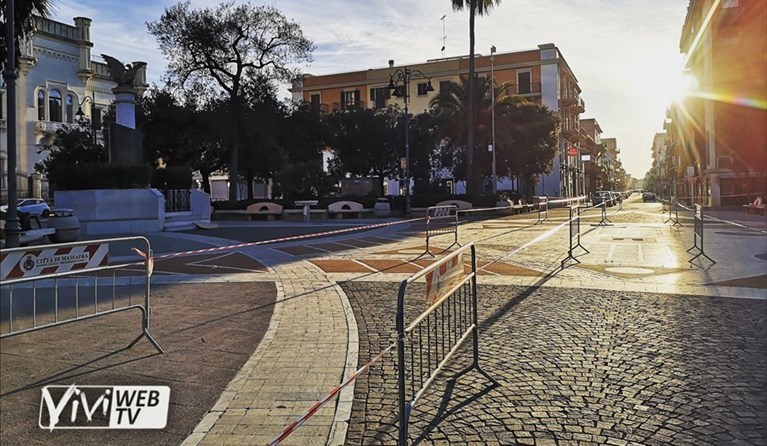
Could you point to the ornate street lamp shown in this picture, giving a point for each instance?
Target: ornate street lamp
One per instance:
(12, 226)
(83, 120)
(492, 114)
(403, 75)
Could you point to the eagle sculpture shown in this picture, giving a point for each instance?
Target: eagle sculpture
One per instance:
(124, 75)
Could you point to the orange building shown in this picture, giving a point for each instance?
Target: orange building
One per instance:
(719, 139)
(540, 75)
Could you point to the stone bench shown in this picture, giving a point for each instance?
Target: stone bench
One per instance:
(755, 208)
(460, 204)
(270, 210)
(341, 208)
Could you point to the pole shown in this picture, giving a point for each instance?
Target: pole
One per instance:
(492, 114)
(12, 226)
(407, 143)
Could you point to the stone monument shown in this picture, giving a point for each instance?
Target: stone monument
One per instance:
(125, 142)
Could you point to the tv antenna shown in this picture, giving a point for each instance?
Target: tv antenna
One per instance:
(444, 37)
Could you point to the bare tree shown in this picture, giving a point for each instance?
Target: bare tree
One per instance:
(229, 46)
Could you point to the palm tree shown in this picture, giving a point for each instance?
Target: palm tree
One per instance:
(476, 7)
(451, 109)
(24, 13)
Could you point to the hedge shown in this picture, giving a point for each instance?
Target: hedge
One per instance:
(102, 176)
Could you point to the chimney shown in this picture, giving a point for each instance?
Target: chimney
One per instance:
(391, 63)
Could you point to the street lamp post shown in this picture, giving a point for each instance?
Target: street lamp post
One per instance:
(404, 75)
(492, 114)
(12, 226)
(83, 121)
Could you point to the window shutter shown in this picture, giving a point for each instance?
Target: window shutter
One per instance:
(96, 118)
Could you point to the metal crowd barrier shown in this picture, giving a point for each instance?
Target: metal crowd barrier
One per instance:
(543, 210)
(604, 220)
(435, 335)
(697, 238)
(441, 220)
(575, 234)
(74, 273)
(673, 212)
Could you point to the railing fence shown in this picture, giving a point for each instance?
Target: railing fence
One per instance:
(431, 339)
(575, 234)
(441, 220)
(697, 238)
(75, 274)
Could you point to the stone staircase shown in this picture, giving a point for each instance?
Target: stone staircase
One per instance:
(181, 221)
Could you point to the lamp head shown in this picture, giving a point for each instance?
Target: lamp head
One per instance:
(429, 87)
(391, 85)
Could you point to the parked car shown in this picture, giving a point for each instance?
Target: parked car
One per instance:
(31, 206)
(648, 196)
(604, 196)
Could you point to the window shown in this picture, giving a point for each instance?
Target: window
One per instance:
(378, 96)
(54, 106)
(350, 99)
(422, 89)
(41, 105)
(70, 104)
(315, 101)
(523, 82)
(444, 86)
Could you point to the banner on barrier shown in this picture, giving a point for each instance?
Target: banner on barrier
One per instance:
(443, 279)
(40, 262)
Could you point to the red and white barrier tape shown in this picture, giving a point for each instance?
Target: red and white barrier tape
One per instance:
(278, 240)
(725, 221)
(312, 410)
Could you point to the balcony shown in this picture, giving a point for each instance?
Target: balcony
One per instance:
(320, 108)
(48, 126)
(568, 101)
(571, 132)
(526, 90)
(342, 106)
(579, 107)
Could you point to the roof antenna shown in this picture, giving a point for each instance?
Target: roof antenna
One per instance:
(444, 37)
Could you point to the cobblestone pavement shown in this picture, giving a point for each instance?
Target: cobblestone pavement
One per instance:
(579, 366)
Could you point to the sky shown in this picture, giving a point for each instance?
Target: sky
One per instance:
(624, 53)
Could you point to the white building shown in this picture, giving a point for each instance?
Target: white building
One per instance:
(57, 76)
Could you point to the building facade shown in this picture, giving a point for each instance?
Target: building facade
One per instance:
(720, 130)
(57, 77)
(591, 152)
(540, 75)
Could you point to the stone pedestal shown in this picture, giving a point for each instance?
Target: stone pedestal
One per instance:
(125, 142)
(125, 106)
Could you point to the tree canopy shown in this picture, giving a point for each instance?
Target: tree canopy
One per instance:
(235, 49)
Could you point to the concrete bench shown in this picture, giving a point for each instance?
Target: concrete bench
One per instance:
(270, 210)
(755, 208)
(341, 208)
(460, 204)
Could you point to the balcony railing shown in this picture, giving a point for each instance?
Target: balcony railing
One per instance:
(48, 126)
(177, 200)
(533, 89)
(580, 107)
(341, 106)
